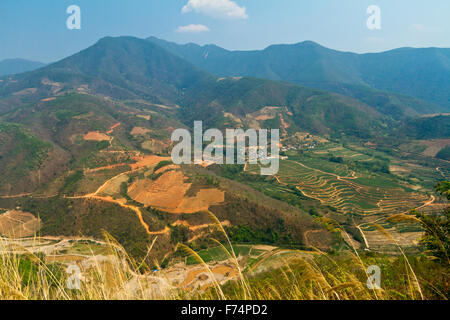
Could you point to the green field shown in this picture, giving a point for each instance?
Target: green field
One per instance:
(219, 254)
(351, 182)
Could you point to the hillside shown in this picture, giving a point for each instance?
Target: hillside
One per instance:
(78, 162)
(85, 145)
(237, 101)
(133, 69)
(419, 73)
(431, 127)
(122, 68)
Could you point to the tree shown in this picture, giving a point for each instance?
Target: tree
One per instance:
(436, 238)
(179, 234)
(443, 188)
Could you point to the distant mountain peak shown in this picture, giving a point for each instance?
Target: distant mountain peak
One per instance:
(422, 73)
(117, 67)
(18, 65)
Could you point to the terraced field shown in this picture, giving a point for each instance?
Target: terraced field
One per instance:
(334, 185)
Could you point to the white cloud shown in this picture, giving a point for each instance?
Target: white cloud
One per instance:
(192, 28)
(226, 9)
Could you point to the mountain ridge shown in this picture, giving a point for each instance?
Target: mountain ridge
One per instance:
(18, 65)
(132, 68)
(309, 63)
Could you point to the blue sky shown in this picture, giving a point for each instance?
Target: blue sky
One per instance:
(36, 29)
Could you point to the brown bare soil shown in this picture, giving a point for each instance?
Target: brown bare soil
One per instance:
(48, 99)
(113, 186)
(199, 277)
(25, 92)
(168, 192)
(350, 241)
(200, 226)
(111, 130)
(161, 106)
(201, 202)
(166, 168)
(65, 258)
(432, 115)
(18, 224)
(225, 271)
(147, 161)
(434, 146)
(146, 117)
(154, 145)
(264, 247)
(110, 167)
(264, 117)
(96, 136)
(266, 113)
(232, 117)
(317, 239)
(394, 168)
(138, 131)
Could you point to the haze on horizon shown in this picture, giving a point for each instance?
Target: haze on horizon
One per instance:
(37, 30)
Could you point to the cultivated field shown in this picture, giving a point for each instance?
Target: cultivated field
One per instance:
(345, 190)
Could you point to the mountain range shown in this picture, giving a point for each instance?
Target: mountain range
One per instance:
(143, 73)
(421, 73)
(131, 68)
(76, 135)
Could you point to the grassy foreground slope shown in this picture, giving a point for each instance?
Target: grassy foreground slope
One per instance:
(110, 274)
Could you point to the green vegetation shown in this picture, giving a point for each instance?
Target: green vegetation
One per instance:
(102, 145)
(437, 229)
(161, 164)
(298, 276)
(22, 155)
(444, 154)
(380, 80)
(428, 127)
(72, 217)
(363, 164)
(276, 235)
(345, 276)
(16, 142)
(219, 254)
(70, 185)
(443, 188)
(29, 269)
(179, 234)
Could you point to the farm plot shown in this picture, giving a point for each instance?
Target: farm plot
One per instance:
(343, 190)
(169, 193)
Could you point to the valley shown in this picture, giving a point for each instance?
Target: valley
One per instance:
(87, 177)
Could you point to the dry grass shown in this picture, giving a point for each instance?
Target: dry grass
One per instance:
(118, 276)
